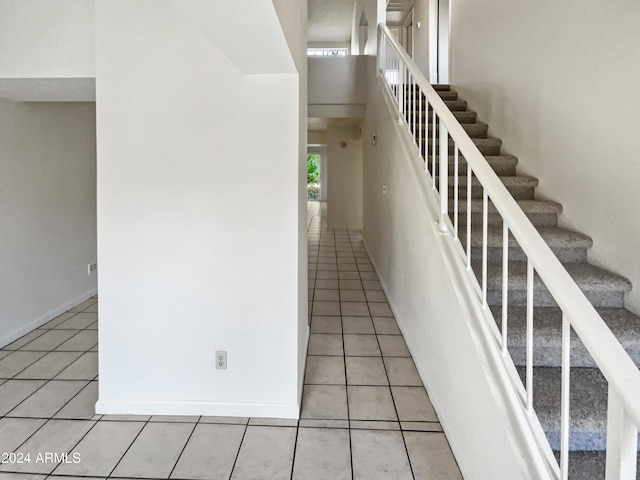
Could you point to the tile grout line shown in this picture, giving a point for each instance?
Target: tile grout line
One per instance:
(184, 447)
(129, 447)
(393, 400)
(235, 461)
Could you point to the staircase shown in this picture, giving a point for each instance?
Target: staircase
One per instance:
(605, 290)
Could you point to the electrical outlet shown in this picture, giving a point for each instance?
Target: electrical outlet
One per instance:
(221, 360)
(91, 267)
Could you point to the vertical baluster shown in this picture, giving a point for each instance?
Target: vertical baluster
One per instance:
(485, 231)
(433, 149)
(529, 362)
(565, 389)
(469, 177)
(622, 441)
(455, 191)
(420, 126)
(505, 284)
(444, 176)
(414, 102)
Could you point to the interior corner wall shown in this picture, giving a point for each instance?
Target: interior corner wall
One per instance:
(344, 176)
(293, 18)
(198, 240)
(557, 81)
(48, 212)
(401, 236)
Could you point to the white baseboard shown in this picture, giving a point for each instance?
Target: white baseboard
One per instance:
(216, 409)
(11, 337)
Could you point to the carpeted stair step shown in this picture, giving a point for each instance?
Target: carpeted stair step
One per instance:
(541, 213)
(520, 187)
(547, 335)
(474, 130)
(503, 165)
(463, 116)
(568, 246)
(588, 406)
(601, 287)
(590, 465)
(487, 146)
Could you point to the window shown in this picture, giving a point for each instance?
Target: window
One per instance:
(326, 52)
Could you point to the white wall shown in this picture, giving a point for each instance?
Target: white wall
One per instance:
(191, 260)
(402, 238)
(557, 81)
(47, 210)
(335, 81)
(344, 175)
(293, 19)
(46, 39)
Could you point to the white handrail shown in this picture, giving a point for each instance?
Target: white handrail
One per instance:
(615, 364)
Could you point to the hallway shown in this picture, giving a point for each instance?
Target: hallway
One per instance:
(365, 414)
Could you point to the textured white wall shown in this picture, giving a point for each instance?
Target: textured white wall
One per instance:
(191, 260)
(558, 82)
(338, 80)
(47, 212)
(344, 175)
(46, 39)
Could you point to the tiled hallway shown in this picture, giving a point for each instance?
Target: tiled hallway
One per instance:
(365, 413)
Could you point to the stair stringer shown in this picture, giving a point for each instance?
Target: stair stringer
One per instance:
(469, 383)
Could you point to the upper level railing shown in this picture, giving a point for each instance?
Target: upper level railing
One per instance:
(413, 97)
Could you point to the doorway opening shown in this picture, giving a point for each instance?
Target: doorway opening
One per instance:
(313, 176)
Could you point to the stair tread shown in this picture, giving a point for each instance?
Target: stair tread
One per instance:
(588, 406)
(587, 276)
(508, 181)
(555, 237)
(547, 328)
(528, 206)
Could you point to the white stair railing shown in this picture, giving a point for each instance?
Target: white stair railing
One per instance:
(412, 95)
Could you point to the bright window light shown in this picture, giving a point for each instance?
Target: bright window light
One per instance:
(326, 52)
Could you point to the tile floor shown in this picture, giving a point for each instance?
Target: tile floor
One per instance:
(365, 413)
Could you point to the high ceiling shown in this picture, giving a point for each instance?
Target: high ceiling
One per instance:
(397, 11)
(330, 20)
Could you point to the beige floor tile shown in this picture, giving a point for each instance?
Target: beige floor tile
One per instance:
(13, 392)
(49, 340)
(266, 452)
(82, 406)
(324, 402)
(324, 370)
(45, 402)
(81, 342)
(102, 448)
(379, 455)
(402, 371)
(326, 324)
(175, 418)
(24, 340)
(325, 344)
(18, 361)
(49, 366)
(365, 371)
(155, 452)
(431, 456)
(84, 368)
(224, 420)
(352, 296)
(370, 403)
(56, 436)
(15, 431)
(361, 345)
(322, 453)
(326, 295)
(354, 309)
(413, 404)
(79, 321)
(386, 326)
(357, 325)
(326, 308)
(210, 452)
(393, 346)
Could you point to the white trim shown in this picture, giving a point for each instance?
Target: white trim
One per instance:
(41, 320)
(217, 409)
